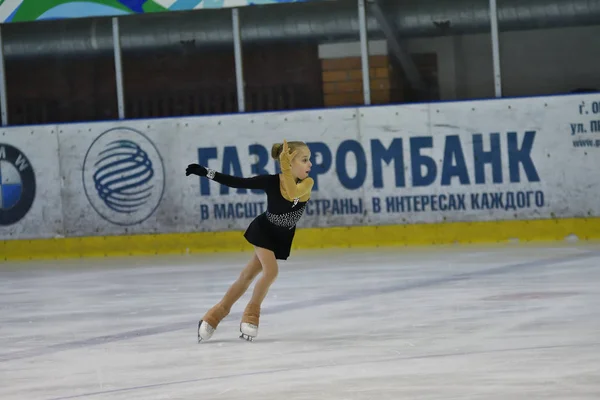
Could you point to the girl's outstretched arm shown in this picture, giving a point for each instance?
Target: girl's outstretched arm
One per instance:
(255, 182)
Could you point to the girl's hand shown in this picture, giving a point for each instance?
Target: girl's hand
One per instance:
(285, 158)
(195, 169)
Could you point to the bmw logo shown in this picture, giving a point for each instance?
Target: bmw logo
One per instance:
(17, 185)
(123, 176)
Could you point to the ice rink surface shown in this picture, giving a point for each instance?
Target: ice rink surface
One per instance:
(494, 323)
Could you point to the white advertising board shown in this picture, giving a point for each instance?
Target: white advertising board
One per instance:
(468, 161)
(121, 178)
(528, 158)
(30, 183)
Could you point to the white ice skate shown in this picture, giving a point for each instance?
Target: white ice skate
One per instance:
(205, 331)
(249, 331)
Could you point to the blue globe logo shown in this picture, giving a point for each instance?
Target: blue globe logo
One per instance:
(123, 176)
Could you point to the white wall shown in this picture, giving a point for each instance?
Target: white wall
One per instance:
(555, 175)
(538, 62)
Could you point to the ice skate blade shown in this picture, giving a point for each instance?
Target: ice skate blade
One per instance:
(247, 338)
(208, 331)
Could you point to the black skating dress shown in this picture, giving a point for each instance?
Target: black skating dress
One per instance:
(274, 229)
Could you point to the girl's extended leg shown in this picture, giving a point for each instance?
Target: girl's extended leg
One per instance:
(270, 269)
(220, 310)
(239, 287)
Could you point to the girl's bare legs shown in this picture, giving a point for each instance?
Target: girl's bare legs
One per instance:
(216, 314)
(270, 269)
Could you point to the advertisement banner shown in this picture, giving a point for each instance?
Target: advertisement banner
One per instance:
(35, 10)
(241, 145)
(467, 161)
(30, 183)
(119, 177)
(512, 159)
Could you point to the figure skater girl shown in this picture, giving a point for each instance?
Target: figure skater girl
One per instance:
(271, 233)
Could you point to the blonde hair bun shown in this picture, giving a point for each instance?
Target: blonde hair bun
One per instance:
(276, 150)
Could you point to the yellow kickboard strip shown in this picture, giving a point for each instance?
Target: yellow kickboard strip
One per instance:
(311, 238)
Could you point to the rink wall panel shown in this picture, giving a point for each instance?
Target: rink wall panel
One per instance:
(462, 172)
(30, 183)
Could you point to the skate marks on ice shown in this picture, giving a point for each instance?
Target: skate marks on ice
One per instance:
(504, 269)
(383, 360)
(324, 300)
(94, 341)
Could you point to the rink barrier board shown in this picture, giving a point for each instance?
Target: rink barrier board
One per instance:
(396, 165)
(310, 238)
